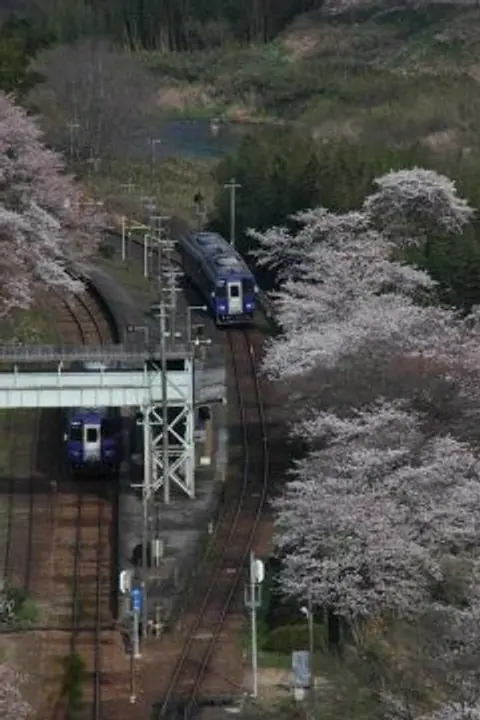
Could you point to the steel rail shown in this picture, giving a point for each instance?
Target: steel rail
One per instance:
(246, 545)
(92, 328)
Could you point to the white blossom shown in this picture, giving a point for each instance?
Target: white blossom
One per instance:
(385, 500)
(12, 704)
(365, 521)
(45, 228)
(411, 200)
(454, 711)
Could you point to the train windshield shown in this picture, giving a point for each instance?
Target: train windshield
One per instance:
(248, 286)
(92, 435)
(109, 427)
(76, 434)
(221, 291)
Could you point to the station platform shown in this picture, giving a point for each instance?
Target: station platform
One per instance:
(182, 527)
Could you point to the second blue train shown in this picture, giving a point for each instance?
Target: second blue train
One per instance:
(93, 440)
(93, 437)
(221, 275)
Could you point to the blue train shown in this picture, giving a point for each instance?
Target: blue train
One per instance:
(221, 275)
(93, 438)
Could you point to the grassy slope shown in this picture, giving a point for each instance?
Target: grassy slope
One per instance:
(173, 184)
(389, 75)
(383, 76)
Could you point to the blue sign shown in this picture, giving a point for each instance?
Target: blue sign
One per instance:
(137, 599)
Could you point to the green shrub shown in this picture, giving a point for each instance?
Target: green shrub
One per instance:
(28, 613)
(17, 596)
(106, 251)
(17, 609)
(288, 638)
(74, 676)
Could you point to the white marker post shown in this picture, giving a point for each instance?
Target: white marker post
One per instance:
(124, 223)
(253, 601)
(145, 256)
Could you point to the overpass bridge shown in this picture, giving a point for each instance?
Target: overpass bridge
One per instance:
(55, 377)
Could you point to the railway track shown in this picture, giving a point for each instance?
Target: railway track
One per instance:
(83, 546)
(225, 562)
(24, 540)
(83, 534)
(91, 325)
(22, 485)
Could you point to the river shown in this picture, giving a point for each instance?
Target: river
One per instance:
(187, 138)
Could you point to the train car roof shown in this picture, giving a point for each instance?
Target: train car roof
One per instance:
(87, 412)
(216, 255)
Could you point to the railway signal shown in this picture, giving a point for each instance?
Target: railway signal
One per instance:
(253, 600)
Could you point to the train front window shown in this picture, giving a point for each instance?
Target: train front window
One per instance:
(76, 434)
(234, 291)
(221, 291)
(92, 435)
(248, 286)
(108, 427)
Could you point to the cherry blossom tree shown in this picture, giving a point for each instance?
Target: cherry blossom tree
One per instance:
(382, 507)
(445, 711)
(412, 203)
(454, 711)
(45, 228)
(366, 521)
(343, 283)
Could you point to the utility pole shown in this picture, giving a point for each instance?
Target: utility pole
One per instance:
(165, 449)
(232, 185)
(147, 481)
(149, 204)
(167, 289)
(172, 290)
(153, 144)
(127, 230)
(72, 126)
